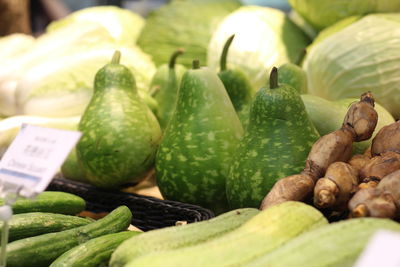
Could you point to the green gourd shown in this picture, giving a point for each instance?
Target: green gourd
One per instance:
(120, 133)
(294, 76)
(166, 83)
(237, 85)
(195, 153)
(276, 144)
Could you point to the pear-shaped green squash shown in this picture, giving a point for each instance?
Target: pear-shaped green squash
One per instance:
(165, 85)
(193, 159)
(237, 84)
(294, 76)
(120, 134)
(276, 144)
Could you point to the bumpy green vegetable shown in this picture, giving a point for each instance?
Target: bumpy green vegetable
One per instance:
(263, 233)
(93, 253)
(50, 201)
(176, 237)
(276, 144)
(37, 223)
(43, 249)
(193, 160)
(120, 133)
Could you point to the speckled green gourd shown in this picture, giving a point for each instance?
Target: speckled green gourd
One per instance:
(166, 83)
(237, 85)
(120, 133)
(195, 153)
(294, 76)
(277, 141)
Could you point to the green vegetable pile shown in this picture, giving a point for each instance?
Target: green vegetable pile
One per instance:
(221, 99)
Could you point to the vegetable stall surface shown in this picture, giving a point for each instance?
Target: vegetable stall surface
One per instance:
(276, 143)
(195, 153)
(120, 134)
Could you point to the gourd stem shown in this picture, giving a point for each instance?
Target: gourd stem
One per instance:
(224, 54)
(196, 64)
(174, 56)
(116, 57)
(273, 78)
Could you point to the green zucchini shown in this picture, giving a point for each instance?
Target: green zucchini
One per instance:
(42, 250)
(93, 253)
(37, 223)
(263, 233)
(180, 236)
(337, 244)
(50, 201)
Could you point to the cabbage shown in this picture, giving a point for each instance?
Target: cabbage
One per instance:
(264, 37)
(63, 86)
(183, 23)
(74, 37)
(323, 13)
(122, 24)
(361, 57)
(14, 44)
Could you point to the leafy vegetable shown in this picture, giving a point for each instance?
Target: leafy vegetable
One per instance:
(49, 46)
(361, 57)
(183, 23)
(323, 13)
(63, 86)
(14, 44)
(276, 41)
(122, 24)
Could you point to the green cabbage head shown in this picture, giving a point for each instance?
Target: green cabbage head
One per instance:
(363, 56)
(264, 37)
(323, 13)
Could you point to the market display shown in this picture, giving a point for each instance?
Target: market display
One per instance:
(283, 126)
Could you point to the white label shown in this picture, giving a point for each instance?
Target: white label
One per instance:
(35, 155)
(382, 250)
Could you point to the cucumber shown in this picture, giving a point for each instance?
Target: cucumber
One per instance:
(337, 244)
(37, 223)
(93, 253)
(179, 236)
(42, 250)
(50, 201)
(263, 233)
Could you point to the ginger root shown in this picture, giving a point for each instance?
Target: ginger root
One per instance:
(387, 139)
(358, 125)
(378, 167)
(382, 201)
(336, 187)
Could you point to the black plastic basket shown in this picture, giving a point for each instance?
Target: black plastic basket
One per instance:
(148, 212)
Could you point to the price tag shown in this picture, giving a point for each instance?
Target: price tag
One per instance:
(33, 158)
(382, 250)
